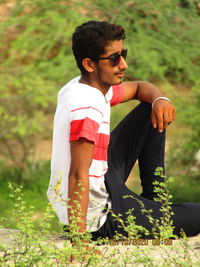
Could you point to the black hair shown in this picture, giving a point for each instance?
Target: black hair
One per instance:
(90, 39)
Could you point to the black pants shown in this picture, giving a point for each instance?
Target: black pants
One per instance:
(135, 138)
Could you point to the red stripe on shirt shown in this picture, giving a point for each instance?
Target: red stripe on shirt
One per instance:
(95, 176)
(92, 175)
(101, 147)
(87, 108)
(85, 128)
(118, 92)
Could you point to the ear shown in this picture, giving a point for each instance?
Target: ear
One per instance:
(88, 64)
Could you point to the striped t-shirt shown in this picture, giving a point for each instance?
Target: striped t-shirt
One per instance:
(82, 111)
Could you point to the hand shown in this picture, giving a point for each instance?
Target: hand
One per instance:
(163, 113)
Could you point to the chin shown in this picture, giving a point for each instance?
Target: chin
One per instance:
(117, 81)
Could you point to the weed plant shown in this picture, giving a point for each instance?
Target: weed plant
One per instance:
(32, 247)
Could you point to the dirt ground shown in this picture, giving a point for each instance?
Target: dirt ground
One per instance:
(166, 254)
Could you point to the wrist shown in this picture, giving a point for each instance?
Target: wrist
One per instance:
(160, 98)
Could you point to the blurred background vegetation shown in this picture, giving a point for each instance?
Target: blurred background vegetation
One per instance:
(36, 60)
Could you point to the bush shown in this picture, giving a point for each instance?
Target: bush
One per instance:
(35, 60)
(163, 44)
(162, 37)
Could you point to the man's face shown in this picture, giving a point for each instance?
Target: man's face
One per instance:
(106, 72)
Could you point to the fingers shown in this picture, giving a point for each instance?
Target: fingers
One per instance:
(166, 119)
(157, 119)
(154, 119)
(162, 115)
(160, 121)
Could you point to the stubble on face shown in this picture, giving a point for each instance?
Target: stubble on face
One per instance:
(104, 73)
(107, 73)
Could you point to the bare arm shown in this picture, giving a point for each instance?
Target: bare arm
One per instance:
(143, 91)
(81, 158)
(163, 112)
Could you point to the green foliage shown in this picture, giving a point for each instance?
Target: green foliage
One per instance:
(162, 37)
(30, 247)
(192, 118)
(29, 244)
(186, 188)
(35, 60)
(36, 57)
(23, 114)
(184, 151)
(164, 198)
(35, 183)
(162, 228)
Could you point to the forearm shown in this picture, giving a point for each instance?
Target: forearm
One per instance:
(163, 112)
(78, 201)
(147, 92)
(143, 91)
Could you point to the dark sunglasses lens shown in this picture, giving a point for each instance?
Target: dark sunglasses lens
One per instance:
(116, 60)
(124, 53)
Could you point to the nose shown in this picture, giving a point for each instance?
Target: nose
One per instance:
(122, 64)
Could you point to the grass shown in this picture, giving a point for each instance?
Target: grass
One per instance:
(183, 189)
(35, 183)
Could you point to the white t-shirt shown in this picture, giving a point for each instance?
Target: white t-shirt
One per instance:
(82, 111)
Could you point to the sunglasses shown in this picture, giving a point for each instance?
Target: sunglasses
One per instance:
(116, 57)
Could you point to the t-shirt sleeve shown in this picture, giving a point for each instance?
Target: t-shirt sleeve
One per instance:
(117, 94)
(85, 122)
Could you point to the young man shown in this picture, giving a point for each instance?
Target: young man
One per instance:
(89, 166)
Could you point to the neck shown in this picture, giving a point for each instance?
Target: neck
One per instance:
(102, 87)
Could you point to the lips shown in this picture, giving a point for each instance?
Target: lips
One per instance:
(120, 74)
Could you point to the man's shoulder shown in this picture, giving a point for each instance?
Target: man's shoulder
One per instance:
(74, 85)
(66, 88)
(77, 93)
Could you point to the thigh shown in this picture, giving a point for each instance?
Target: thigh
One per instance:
(127, 141)
(135, 138)
(186, 216)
